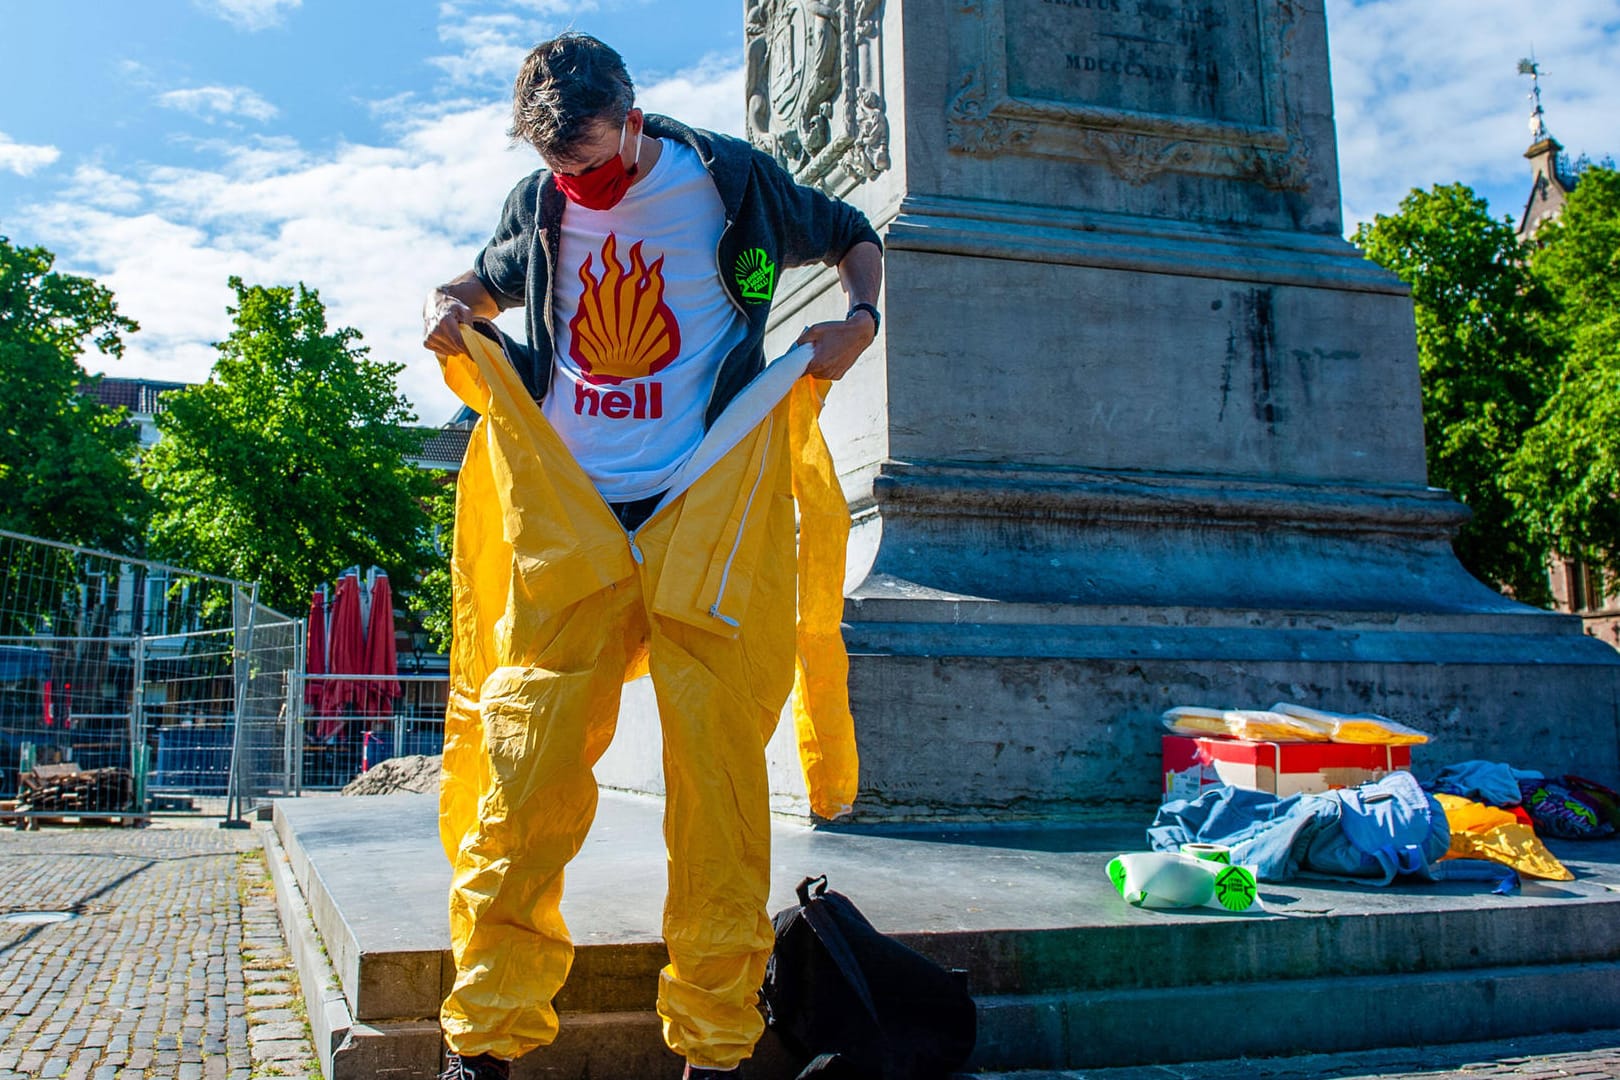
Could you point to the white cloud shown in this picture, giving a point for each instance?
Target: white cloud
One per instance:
(556, 7)
(372, 227)
(490, 44)
(707, 96)
(95, 187)
(214, 101)
(24, 159)
(1426, 92)
(250, 14)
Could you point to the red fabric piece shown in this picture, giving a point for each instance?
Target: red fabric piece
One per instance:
(1520, 813)
(315, 653)
(381, 657)
(346, 655)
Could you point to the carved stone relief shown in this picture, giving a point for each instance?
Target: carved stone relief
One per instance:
(814, 89)
(1205, 96)
(971, 129)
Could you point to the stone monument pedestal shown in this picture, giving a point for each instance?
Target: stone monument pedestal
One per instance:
(1141, 429)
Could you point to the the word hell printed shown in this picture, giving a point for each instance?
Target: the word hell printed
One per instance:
(644, 402)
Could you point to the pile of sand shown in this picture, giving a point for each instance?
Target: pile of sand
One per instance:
(416, 773)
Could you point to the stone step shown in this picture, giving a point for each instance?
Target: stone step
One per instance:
(1066, 975)
(1162, 1025)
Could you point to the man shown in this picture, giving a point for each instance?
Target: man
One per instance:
(646, 254)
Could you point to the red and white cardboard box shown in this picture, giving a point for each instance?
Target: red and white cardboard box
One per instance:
(1193, 764)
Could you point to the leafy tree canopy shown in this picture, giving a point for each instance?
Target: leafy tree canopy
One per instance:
(431, 599)
(1486, 366)
(67, 469)
(289, 464)
(1566, 478)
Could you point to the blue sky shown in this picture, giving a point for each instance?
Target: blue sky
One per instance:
(163, 145)
(127, 81)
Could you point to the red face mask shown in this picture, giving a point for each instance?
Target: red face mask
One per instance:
(601, 188)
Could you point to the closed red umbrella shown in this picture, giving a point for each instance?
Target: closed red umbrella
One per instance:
(315, 652)
(346, 655)
(381, 658)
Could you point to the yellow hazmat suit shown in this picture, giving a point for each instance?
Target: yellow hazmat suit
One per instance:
(555, 607)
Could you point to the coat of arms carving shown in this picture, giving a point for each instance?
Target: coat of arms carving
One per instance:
(814, 89)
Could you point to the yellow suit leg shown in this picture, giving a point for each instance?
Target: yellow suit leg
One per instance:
(720, 692)
(547, 718)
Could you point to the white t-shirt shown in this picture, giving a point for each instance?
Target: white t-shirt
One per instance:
(642, 322)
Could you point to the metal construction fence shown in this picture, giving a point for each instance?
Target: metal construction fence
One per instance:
(339, 746)
(180, 678)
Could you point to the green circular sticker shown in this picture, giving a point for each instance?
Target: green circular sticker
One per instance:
(1235, 888)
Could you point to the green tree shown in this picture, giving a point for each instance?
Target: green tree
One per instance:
(289, 464)
(67, 464)
(430, 600)
(1486, 367)
(1566, 478)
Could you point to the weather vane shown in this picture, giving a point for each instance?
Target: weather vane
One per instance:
(1538, 120)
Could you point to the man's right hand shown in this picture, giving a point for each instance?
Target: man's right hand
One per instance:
(449, 308)
(443, 316)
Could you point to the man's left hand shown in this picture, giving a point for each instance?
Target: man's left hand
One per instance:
(838, 344)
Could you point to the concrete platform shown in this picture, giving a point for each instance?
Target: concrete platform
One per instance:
(1067, 976)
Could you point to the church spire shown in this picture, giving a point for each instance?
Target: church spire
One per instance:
(1538, 118)
(1547, 190)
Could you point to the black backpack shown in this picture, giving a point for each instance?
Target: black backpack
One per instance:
(861, 1005)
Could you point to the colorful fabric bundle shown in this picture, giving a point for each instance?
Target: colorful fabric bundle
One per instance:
(1605, 800)
(1563, 809)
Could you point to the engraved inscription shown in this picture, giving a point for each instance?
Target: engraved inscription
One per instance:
(1192, 58)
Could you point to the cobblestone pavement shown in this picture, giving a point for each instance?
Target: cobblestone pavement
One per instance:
(173, 965)
(1594, 1055)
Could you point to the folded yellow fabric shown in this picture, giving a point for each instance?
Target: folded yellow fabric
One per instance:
(1255, 725)
(1360, 728)
(1485, 832)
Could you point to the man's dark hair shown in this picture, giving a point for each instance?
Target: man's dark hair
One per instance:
(565, 88)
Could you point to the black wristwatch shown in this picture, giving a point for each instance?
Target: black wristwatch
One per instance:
(870, 309)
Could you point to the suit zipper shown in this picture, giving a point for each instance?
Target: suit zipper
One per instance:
(630, 534)
(736, 542)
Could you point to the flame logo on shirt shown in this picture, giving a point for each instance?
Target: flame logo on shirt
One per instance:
(623, 329)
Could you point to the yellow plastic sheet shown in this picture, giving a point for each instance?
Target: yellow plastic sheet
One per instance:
(1360, 728)
(1486, 832)
(1285, 722)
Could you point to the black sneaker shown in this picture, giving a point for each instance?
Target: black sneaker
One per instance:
(476, 1067)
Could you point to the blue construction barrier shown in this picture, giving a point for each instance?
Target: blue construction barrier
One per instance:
(194, 758)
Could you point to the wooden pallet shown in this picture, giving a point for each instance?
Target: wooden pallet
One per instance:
(69, 791)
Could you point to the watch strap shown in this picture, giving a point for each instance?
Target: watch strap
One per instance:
(871, 309)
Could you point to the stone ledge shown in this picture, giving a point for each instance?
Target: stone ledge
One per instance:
(957, 489)
(978, 228)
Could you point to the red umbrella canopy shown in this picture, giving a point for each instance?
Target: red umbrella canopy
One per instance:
(346, 652)
(381, 658)
(315, 651)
